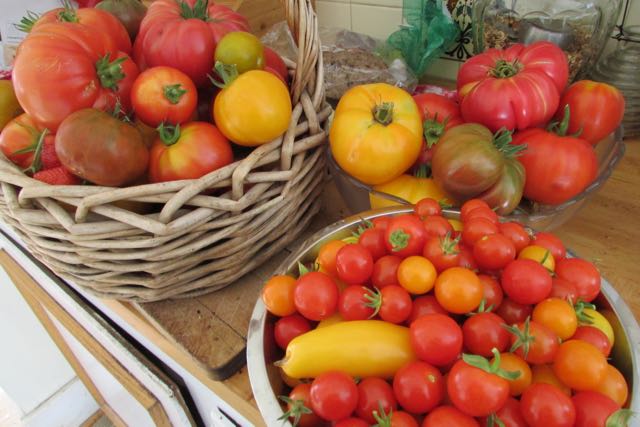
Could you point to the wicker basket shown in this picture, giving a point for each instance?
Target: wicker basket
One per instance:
(192, 242)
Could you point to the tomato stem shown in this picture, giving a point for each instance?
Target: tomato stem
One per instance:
(505, 69)
(296, 409)
(399, 240)
(68, 12)
(27, 22)
(491, 368)
(199, 10)
(448, 245)
(433, 129)
(560, 128)
(374, 299)
(423, 171)
(382, 418)
(364, 226)
(36, 163)
(227, 72)
(302, 269)
(524, 338)
(110, 72)
(502, 141)
(583, 317)
(383, 113)
(169, 135)
(173, 93)
(493, 420)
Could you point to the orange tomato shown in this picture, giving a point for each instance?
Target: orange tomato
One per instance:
(326, 259)
(558, 315)
(538, 254)
(614, 385)
(513, 363)
(580, 365)
(458, 290)
(416, 274)
(407, 187)
(277, 295)
(544, 374)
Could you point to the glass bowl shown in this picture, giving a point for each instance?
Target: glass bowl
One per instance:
(262, 351)
(540, 217)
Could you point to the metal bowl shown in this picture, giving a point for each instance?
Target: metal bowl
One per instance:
(262, 351)
(540, 217)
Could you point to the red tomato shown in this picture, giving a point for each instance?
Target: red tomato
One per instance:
(316, 296)
(401, 419)
(385, 271)
(184, 37)
(448, 416)
(19, 134)
(437, 225)
(470, 205)
(353, 304)
(474, 391)
(443, 252)
(596, 109)
(405, 235)
(418, 387)
(552, 243)
(381, 222)
(354, 264)
(593, 408)
(516, 233)
(595, 337)
(494, 252)
(561, 288)
(274, 64)
(534, 342)
(163, 95)
(558, 167)
(526, 281)
(373, 240)
(482, 212)
(436, 339)
(492, 293)
(510, 415)
(427, 207)
(544, 405)
(289, 327)
(188, 152)
(581, 273)
(298, 400)
(374, 394)
(483, 332)
(513, 312)
(438, 113)
(529, 80)
(425, 304)
(395, 304)
(476, 229)
(466, 259)
(334, 395)
(351, 422)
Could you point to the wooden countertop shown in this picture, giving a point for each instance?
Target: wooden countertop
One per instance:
(206, 334)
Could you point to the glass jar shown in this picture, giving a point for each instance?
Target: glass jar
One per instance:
(579, 27)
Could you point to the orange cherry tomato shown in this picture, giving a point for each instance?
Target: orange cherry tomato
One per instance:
(614, 385)
(538, 254)
(417, 275)
(277, 295)
(513, 363)
(544, 374)
(327, 257)
(558, 315)
(458, 290)
(580, 365)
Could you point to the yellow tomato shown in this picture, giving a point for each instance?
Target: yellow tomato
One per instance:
(253, 108)
(538, 254)
(409, 188)
(416, 274)
(376, 133)
(597, 320)
(9, 107)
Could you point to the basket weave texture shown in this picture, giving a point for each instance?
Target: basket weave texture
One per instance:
(197, 235)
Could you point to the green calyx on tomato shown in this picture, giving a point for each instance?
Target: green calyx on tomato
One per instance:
(374, 300)
(35, 148)
(302, 269)
(505, 69)
(584, 318)
(620, 418)
(524, 337)
(110, 72)
(296, 410)
(493, 420)
(173, 93)
(433, 129)
(27, 22)
(227, 72)
(502, 141)
(383, 113)
(399, 240)
(491, 368)
(560, 128)
(169, 135)
(482, 308)
(199, 10)
(366, 224)
(382, 418)
(68, 12)
(448, 245)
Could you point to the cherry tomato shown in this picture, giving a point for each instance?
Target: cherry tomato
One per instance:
(583, 274)
(316, 295)
(427, 207)
(289, 327)
(526, 281)
(544, 374)
(327, 256)
(373, 240)
(543, 405)
(405, 236)
(579, 365)
(558, 315)
(509, 415)
(352, 422)
(470, 205)
(535, 342)
(538, 254)
(595, 337)
(551, 242)
(334, 395)
(448, 416)
(381, 222)
(418, 387)
(401, 419)
(494, 252)
(374, 394)
(492, 292)
(564, 289)
(516, 233)
(481, 212)
(591, 317)
(458, 290)
(426, 304)
(242, 49)
(354, 264)
(476, 229)
(436, 338)
(299, 398)
(484, 331)
(613, 385)
(513, 363)
(513, 312)
(353, 304)
(474, 391)
(592, 408)
(437, 225)
(443, 252)
(416, 274)
(466, 259)
(277, 295)
(385, 271)
(395, 304)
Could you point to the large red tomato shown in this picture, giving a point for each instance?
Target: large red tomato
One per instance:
(94, 74)
(557, 167)
(516, 88)
(596, 109)
(184, 35)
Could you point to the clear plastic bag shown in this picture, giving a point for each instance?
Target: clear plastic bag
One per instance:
(350, 59)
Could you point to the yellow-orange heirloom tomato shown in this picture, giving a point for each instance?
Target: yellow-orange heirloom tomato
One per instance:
(407, 187)
(253, 108)
(376, 133)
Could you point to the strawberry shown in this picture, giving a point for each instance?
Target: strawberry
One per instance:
(48, 156)
(57, 176)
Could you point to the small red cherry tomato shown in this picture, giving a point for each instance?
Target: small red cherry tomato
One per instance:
(354, 264)
(405, 236)
(334, 395)
(289, 327)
